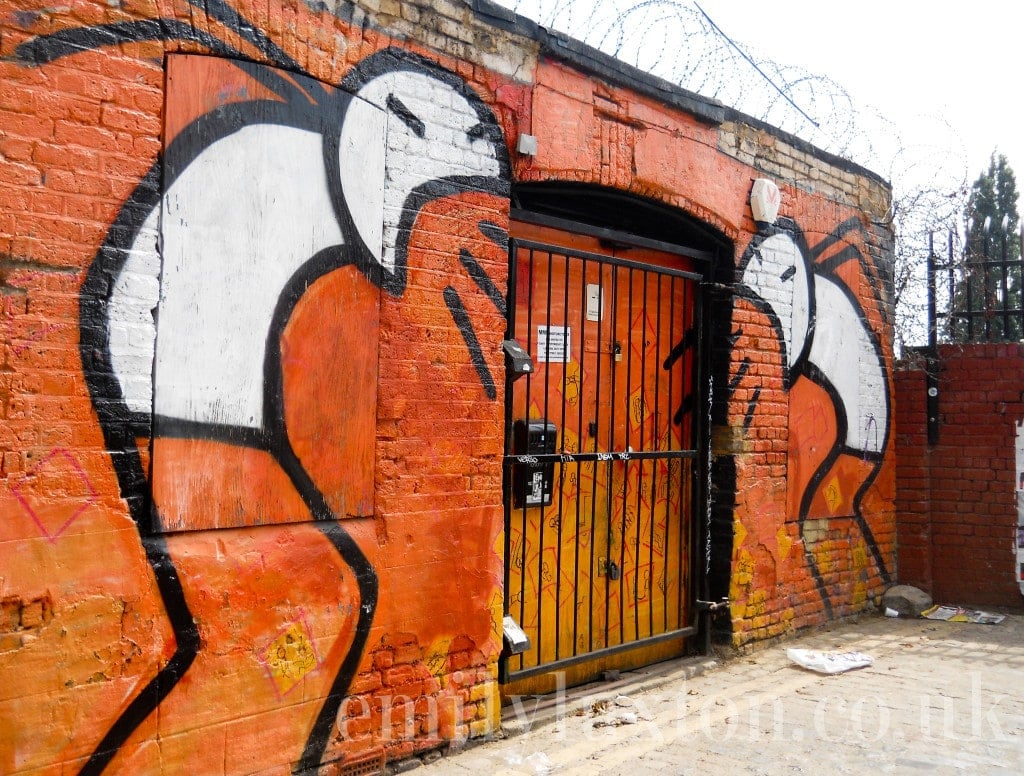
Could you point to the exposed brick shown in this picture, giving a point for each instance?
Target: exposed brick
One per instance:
(956, 523)
(77, 136)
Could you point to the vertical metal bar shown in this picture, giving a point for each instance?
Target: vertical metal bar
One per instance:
(523, 509)
(609, 472)
(561, 466)
(931, 366)
(611, 446)
(1004, 266)
(1020, 284)
(640, 464)
(670, 414)
(579, 468)
(932, 325)
(544, 417)
(701, 434)
(626, 344)
(951, 317)
(968, 280)
(986, 295)
(685, 491)
(653, 508)
(506, 469)
(594, 584)
(675, 483)
(686, 538)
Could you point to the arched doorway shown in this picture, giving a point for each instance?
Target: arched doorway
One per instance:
(606, 497)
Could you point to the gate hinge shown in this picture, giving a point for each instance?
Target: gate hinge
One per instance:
(720, 287)
(712, 606)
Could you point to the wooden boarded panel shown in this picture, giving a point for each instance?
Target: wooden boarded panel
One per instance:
(266, 335)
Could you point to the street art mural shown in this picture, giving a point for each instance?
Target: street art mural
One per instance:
(253, 271)
(834, 373)
(229, 342)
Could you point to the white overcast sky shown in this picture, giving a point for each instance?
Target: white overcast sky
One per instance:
(920, 63)
(944, 73)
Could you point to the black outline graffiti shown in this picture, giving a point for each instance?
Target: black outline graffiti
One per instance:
(305, 103)
(688, 341)
(740, 374)
(815, 267)
(465, 326)
(483, 280)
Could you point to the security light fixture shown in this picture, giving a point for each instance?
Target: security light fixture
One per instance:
(517, 360)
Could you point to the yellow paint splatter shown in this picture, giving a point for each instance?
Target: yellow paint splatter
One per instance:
(639, 410)
(785, 542)
(860, 558)
(757, 604)
(744, 569)
(290, 657)
(833, 495)
(823, 557)
(436, 657)
(860, 595)
(739, 534)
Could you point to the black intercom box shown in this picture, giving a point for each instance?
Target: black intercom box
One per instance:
(532, 482)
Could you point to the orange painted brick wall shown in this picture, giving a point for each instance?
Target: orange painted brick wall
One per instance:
(331, 574)
(251, 496)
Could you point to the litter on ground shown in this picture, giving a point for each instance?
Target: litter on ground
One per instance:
(829, 662)
(959, 614)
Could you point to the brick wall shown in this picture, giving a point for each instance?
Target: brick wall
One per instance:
(913, 494)
(956, 501)
(252, 272)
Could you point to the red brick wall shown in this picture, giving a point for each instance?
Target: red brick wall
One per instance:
(955, 501)
(913, 478)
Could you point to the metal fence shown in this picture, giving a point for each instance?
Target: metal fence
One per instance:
(602, 446)
(974, 295)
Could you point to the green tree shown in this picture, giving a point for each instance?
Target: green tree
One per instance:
(986, 304)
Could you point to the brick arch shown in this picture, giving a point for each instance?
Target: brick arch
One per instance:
(652, 215)
(591, 180)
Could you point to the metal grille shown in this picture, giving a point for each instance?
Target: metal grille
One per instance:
(601, 452)
(976, 295)
(368, 765)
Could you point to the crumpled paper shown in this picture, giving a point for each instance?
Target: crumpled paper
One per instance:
(829, 662)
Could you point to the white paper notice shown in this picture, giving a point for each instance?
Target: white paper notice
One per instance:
(553, 343)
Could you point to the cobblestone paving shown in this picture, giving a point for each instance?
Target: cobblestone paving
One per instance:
(940, 698)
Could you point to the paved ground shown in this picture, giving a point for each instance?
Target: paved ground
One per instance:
(940, 698)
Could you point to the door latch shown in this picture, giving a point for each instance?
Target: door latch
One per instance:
(614, 572)
(712, 606)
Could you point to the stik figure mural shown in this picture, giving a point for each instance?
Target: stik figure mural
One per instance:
(277, 199)
(826, 339)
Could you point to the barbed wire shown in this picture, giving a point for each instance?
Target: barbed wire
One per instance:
(677, 41)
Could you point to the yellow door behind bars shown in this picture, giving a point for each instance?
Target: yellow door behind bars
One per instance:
(601, 562)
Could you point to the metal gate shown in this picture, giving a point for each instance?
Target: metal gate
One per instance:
(602, 468)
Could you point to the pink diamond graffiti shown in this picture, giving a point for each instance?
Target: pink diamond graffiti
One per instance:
(57, 473)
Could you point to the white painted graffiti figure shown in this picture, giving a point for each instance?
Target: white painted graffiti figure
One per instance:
(825, 336)
(183, 308)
